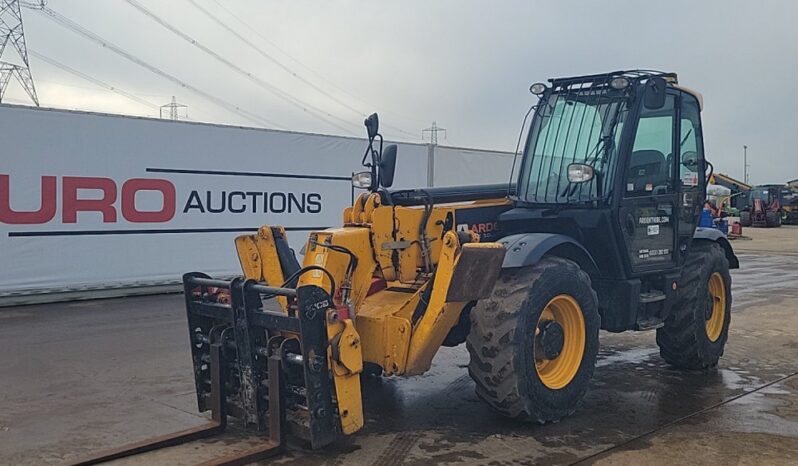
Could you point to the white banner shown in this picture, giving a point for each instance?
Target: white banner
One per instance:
(90, 201)
(456, 166)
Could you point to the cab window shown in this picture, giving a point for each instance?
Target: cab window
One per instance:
(650, 163)
(691, 156)
(690, 146)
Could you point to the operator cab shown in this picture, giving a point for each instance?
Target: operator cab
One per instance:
(767, 193)
(616, 162)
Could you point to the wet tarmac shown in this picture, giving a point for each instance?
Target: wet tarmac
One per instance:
(80, 377)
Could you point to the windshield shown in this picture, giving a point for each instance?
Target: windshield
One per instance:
(760, 194)
(581, 126)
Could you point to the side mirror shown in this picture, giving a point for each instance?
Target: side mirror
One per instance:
(690, 160)
(654, 96)
(580, 173)
(387, 166)
(372, 125)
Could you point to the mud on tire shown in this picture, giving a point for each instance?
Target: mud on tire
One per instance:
(502, 336)
(683, 340)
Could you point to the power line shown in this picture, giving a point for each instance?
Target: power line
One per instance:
(284, 67)
(306, 67)
(77, 28)
(93, 80)
(304, 106)
(272, 59)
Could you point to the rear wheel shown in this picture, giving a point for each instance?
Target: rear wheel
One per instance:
(533, 344)
(745, 218)
(695, 333)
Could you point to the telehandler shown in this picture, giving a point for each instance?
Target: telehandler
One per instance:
(770, 205)
(597, 231)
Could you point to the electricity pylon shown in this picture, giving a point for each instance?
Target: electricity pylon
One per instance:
(12, 33)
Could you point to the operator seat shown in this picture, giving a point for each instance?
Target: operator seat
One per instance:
(648, 167)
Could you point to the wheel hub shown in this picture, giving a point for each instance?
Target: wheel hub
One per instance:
(709, 306)
(551, 338)
(716, 307)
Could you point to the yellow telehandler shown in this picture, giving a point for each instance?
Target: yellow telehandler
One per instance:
(598, 231)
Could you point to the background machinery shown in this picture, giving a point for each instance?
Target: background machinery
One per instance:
(765, 207)
(789, 205)
(599, 231)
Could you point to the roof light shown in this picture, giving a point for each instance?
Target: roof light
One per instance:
(619, 83)
(537, 88)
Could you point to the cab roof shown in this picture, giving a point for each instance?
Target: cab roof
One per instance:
(635, 76)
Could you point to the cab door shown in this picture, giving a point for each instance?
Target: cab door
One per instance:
(691, 170)
(648, 209)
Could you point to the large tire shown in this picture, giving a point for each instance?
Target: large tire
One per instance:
(745, 218)
(695, 333)
(773, 219)
(502, 341)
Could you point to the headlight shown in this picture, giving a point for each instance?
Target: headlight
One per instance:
(580, 172)
(537, 88)
(362, 180)
(619, 83)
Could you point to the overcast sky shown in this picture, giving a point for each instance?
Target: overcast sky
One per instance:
(465, 64)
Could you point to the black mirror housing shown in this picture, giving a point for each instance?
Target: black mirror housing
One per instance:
(388, 165)
(654, 96)
(372, 125)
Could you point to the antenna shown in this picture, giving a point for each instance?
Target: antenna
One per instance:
(12, 32)
(174, 109)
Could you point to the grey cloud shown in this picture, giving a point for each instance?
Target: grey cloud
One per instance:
(466, 64)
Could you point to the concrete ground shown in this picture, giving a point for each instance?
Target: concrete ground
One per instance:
(768, 240)
(80, 377)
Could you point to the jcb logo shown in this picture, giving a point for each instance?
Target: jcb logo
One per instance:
(72, 202)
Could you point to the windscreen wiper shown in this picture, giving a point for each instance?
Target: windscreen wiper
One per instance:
(681, 144)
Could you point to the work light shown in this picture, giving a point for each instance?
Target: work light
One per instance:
(362, 180)
(537, 88)
(619, 83)
(580, 173)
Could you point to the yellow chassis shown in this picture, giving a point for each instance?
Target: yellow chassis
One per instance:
(403, 297)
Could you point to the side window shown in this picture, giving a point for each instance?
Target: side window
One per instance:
(650, 163)
(690, 146)
(691, 155)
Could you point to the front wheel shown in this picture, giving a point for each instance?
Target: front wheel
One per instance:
(773, 219)
(695, 333)
(745, 218)
(533, 344)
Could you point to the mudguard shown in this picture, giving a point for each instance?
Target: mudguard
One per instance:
(528, 248)
(712, 234)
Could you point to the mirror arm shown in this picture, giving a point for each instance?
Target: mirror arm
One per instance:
(374, 173)
(711, 170)
(376, 159)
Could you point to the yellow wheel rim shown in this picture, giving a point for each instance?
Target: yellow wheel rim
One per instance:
(557, 372)
(717, 315)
